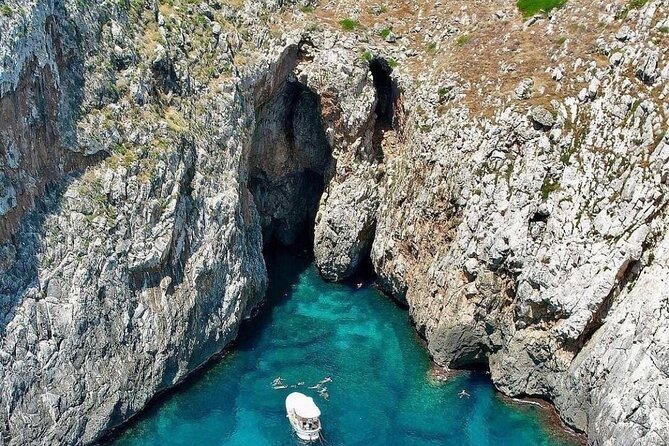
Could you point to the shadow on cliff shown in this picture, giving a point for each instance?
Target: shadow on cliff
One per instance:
(21, 279)
(284, 266)
(41, 115)
(389, 117)
(386, 91)
(289, 159)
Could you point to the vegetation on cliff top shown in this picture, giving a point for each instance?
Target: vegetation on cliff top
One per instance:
(531, 7)
(349, 24)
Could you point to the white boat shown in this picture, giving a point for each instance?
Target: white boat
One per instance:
(304, 416)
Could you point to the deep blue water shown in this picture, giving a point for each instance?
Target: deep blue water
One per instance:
(381, 391)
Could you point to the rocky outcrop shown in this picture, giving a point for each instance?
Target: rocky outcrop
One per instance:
(347, 212)
(131, 273)
(531, 241)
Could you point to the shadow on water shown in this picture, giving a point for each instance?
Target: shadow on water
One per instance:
(284, 267)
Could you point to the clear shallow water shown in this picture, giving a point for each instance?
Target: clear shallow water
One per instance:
(380, 394)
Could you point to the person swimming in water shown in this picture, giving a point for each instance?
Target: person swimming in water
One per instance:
(463, 394)
(278, 383)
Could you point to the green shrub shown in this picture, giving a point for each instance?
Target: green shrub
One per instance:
(6, 11)
(463, 40)
(385, 32)
(530, 7)
(548, 187)
(637, 4)
(349, 24)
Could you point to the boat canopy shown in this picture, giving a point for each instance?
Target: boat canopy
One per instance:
(303, 405)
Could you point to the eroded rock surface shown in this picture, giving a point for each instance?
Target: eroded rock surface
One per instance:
(131, 273)
(515, 199)
(347, 212)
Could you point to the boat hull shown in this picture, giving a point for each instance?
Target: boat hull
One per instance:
(307, 435)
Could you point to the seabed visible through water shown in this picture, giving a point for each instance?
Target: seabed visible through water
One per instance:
(382, 391)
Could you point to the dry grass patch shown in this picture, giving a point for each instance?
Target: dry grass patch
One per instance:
(484, 43)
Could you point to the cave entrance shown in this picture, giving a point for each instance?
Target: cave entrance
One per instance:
(389, 117)
(289, 158)
(386, 92)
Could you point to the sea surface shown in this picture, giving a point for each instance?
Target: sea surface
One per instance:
(382, 392)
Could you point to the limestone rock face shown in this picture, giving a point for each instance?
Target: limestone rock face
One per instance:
(149, 151)
(532, 240)
(625, 363)
(143, 255)
(345, 227)
(529, 264)
(347, 212)
(539, 250)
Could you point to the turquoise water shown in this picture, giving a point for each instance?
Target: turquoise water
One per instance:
(381, 391)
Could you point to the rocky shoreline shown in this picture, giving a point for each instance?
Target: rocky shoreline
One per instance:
(551, 418)
(549, 414)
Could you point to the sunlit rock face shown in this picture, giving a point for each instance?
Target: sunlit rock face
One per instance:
(148, 153)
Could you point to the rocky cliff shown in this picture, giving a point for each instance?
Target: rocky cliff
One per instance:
(506, 175)
(127, 275)
(526, 231)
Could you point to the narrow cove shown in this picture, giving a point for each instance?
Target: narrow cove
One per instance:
(381, 391)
